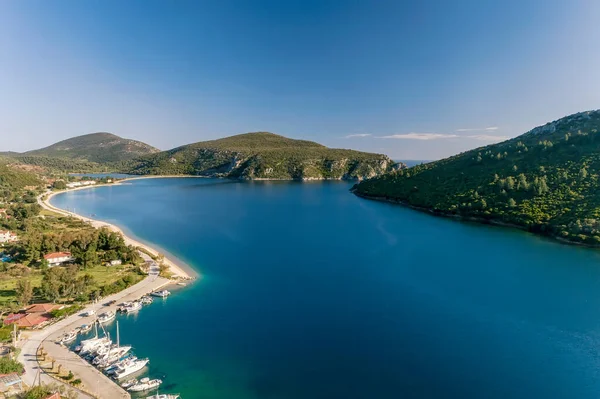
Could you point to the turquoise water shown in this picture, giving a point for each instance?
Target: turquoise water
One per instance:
(311, 292)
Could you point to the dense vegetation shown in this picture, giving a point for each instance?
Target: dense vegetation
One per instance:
(56, 164)
(26, 277)
(95, 147)
(545, 180)
(262, 155)
(13, 179)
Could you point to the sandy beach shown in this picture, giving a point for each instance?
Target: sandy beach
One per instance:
(176, 269)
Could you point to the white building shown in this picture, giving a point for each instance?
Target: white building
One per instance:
(57, 258)
(116, 262)
(7, 236)
(81, 183)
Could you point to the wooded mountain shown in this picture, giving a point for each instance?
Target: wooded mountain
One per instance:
(263, 155)
(545, 180)
(95, 147)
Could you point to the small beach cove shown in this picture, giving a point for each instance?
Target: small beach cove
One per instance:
(309, 291)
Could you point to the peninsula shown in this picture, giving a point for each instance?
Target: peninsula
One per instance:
(545, 181)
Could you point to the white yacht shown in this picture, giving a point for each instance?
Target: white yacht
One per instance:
(112, 355)
(161, 293)
(145, 384)
(131, 368)
(164, 396)
(92, 344)
(85, 328)
(146, 300)
(106, 317)
(129, 383)
(133, 307)
(121, 364)
(68, 337)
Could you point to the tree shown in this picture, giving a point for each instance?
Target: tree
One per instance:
(511, 203)
(59, 185)
(510, 183)
(24, 292)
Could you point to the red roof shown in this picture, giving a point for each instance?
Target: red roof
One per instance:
(11, 318)
(54, 396)
(41, 308)
(57, 255)
(32, 320)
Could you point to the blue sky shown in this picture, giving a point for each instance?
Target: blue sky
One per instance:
(414, 80)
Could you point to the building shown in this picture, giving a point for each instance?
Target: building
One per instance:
(33, 317)
(58, 258)
(10, 384)
(116, 262)
(7, 236)
(81, 183)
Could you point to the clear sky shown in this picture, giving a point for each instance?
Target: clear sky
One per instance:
(412, 79)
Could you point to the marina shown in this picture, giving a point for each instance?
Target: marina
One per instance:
(113, 359)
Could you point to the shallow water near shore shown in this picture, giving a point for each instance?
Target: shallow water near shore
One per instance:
(311, 292)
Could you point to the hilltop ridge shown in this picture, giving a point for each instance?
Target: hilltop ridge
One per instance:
(545, 181)
(95, 147)
(263, 155)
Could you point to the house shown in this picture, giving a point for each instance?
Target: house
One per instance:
(57, 258)
(32, 317)
(55, 395)
(81, 183)
(3, 214)
(116, 262)
(10, 384)
(7, 236)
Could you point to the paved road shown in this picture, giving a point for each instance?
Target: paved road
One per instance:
(91, 378)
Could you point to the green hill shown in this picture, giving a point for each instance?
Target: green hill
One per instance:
(13, 178)
(94, 147)
(262, 156)
(545, 180)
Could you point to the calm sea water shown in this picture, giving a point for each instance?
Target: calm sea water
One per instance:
(311, 292)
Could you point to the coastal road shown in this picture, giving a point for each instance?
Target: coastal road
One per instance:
(91, 378)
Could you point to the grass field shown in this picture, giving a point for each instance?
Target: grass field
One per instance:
(102, 276)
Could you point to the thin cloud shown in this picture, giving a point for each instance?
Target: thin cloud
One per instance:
(357, 135)
(478, 129)
(420, 136)
(488, 137)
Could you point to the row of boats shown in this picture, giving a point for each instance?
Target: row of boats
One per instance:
(115, 360)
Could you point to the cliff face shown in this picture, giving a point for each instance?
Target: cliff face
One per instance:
(264, 156)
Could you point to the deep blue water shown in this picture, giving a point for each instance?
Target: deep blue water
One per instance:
(311, 292)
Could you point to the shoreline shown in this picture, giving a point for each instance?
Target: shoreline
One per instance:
(473, 219)
(177, 268)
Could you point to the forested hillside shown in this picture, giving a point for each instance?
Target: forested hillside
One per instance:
(263, 155)
(545, 180)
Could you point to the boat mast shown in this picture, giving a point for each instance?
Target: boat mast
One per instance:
(118, 333)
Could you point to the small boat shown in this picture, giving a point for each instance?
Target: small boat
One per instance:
(68, 337)
(164, 396)
(121, 364)
(161, 293)
(181, 284)
(85, 328)
(133, 307)
(131, 368)
(106, 317)
(146, 300)
(129, 383)
(145, 384)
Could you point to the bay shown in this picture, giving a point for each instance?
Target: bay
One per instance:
(310, 292)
